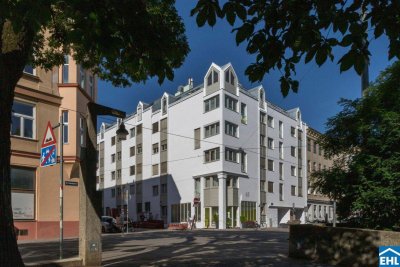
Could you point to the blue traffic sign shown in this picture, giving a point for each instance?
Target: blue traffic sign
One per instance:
(48, 156)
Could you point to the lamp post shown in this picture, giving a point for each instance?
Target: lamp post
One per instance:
(90, 199)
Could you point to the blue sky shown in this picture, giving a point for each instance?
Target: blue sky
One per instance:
(320, 87)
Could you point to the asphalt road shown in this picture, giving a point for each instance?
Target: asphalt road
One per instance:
(181, 248)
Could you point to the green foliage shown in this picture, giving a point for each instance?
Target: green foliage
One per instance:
(122, 41)
(243, 219)
(364, 141)
(280, 33)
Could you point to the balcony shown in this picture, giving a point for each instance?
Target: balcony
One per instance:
(263, 174)
(263, 130)
(263, 151)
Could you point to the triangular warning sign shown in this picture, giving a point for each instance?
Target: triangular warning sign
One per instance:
(49, 137)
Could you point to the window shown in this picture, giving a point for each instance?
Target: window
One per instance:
(270, 165)
(197, 138)
(29, 69)
(132, 151)
(119, 155)
(23, 193)
(211, 155)
(229, 77)
(118, 191)
(319, 166)
(164, 145)
(113, 141)
(112, 158)
(243, 113)
(231, 129)
(300, 186)
(180, 212)
(280, 150)
(118, 173)
(211, 103)
(65, 69)
(309, 145)
(23, 120)
(139, 129)
(139, 114)
(315, 147)
(280, 129)
(139, 149)
(320, 151)
(132, 189)
(82, 77)
(82, 128)
(270, 121)
(270, 143)
(309, 165)
(262, 186)
(139, 207)
(281, 192)
(132, 132)
(164, 167)
(212, 78)
(139, 188)
(231, 103)
(113, 175)
(262, 140)
(270, 187)
(91, 86)
(243, 161)
(132, 170)
(112, 192)
(211, 130)
(65, 123)
(155, 169)
(293, 170)
(164, 105)
(163, 188)
(155, 190)
(293, 131)
(293, 190)
(230, 155)
(155, 127)
(147, 207)
(215, 182)
(248, 210)
(262, 118)
(314, 166)
(293, 151)
(155, 148)
(139, 168)
(280, 170)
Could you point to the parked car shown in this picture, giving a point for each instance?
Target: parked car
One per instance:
(109, 224)
(105, 227)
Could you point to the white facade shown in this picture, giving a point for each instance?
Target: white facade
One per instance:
(224, 171)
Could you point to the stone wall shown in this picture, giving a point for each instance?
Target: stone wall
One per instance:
(339, 246)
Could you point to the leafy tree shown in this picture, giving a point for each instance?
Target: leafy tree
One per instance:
(364, 140)
(281, 33)
(121, 41)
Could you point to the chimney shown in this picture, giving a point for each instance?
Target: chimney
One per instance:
(190, 83)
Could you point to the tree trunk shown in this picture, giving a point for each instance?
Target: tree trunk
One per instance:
(14, 51)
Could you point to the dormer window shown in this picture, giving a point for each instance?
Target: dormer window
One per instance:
(164, 106)
(212, 78)
(229, 77)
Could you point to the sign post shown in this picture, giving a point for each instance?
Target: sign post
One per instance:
(49, 158)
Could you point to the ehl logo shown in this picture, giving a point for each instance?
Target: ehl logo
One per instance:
(389, 256)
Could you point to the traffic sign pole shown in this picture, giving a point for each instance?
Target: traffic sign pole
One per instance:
(61, 185)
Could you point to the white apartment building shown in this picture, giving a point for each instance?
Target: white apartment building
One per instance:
(216, 151)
